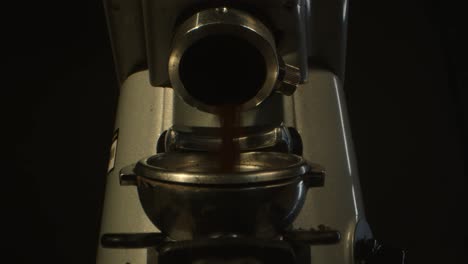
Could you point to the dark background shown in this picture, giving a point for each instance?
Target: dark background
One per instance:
(406, 89)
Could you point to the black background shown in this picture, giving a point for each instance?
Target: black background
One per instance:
(406, 90)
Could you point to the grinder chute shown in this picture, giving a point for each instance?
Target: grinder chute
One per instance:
(226, 56)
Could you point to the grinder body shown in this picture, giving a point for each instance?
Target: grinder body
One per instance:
(310, 35)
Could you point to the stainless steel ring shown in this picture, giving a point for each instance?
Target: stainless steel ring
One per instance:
(231, 22)
(197, 168)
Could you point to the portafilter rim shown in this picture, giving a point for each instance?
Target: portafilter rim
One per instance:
(254, 167)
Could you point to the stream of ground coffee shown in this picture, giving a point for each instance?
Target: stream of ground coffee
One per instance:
(229, 153)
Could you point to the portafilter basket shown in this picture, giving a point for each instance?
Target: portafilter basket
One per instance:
(187, 198)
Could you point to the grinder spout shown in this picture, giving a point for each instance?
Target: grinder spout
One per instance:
(224, 56)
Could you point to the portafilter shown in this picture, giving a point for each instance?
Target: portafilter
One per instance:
(186, 197)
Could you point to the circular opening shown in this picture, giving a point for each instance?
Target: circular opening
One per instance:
(197, 168)
(203, 162)
(222, 69)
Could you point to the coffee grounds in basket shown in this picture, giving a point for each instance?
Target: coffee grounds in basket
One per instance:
(229, 153)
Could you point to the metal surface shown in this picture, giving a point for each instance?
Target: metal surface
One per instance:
(209, 139)
(304, 31)
(322, 33)
(202, 169)
(163, 17)
(127, 36)
(223, 22)
(322, 236)
(318, 112)
(185, 212)
(327, 35)
(289, 80)
(185, 199)
(143, 113)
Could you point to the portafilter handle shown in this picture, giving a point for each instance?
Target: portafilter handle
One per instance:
(132, 240)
